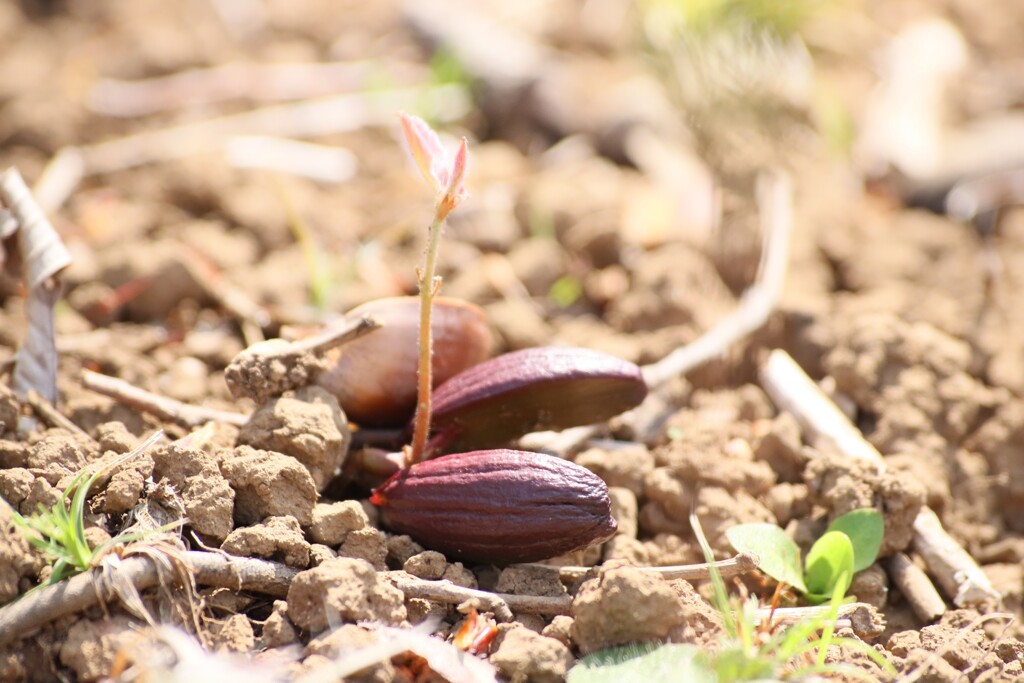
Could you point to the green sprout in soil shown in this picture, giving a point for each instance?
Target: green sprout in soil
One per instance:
(750, 649)
(443, 172)
(849, 545)
(59, 532)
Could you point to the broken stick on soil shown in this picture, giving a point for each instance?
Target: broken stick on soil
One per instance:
(957, 572)
(826, 427)
(51, 416)
(775, 201)
(34, 610)
(161, 406)
(864, 619)
(502, 604)
(743, 563)
(919, 591)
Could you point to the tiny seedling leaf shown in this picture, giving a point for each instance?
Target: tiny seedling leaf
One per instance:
(829, 564)
(865, 528)
(777, 553)
(641, 663)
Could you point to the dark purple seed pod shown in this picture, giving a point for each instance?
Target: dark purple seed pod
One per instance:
(497, 506)
(535, 389)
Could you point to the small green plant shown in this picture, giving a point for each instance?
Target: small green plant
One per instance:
(59, 532)
(849, 545)
(750, 649)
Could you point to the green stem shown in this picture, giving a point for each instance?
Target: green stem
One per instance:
(428, 289)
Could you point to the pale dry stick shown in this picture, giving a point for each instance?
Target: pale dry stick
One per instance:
(863, 618)
(59, 178)
(323, 163)
(311, 118)
(820, 419)
(915, 585)
(502, 604)
(204, 87)
(827, 428)
(154, 404)
(53, 417)
(957, 572)
(744, 563)
(775, 200)
(252, 317)
(34, 610)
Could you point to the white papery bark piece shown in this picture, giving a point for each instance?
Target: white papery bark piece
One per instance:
(43, 256)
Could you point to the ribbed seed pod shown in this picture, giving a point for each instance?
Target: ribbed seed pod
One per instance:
(530, 390)
(498, 506)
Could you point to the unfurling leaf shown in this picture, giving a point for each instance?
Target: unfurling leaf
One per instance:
(865, 528)
(777, 553)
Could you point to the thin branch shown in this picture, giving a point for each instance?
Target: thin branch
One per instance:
(161, 406)
(502, 604)
(956, 571)
(915, 586)
(309, 118)
(863, 618)
(36, 609)
(743, 563)
(775, 198)
(823, 423)
(826, 427)
(51, 416)
(204, 87)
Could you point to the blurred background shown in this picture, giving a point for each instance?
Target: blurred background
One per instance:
(243, 154)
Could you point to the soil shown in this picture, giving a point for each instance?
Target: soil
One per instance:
(611, 206)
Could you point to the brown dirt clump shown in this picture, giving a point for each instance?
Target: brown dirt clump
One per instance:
(841, 484)
(276, 538)
(624, 605)
(268, 484)
(309, 426)
(522, 655)
(342, 590)
(208, 498)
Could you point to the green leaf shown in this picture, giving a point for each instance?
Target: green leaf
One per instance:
(641, 663)
(778, 554)
(865, 528)
(829, 564)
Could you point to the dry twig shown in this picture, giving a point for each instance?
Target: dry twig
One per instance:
(864, 619)
(918, 589)
(51, 416)
(741, 564)
(775, 199)
(163, 407)
(502, 604)
(825, 426)
(34, 610)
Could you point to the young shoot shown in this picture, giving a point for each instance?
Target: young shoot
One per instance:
(444, 172)
(849, 545)
(59, 532)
